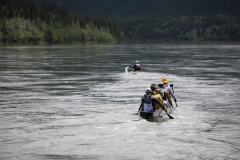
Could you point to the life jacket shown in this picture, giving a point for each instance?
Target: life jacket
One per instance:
(162, 93)
(159, 97)
(165, 86)
(169, 89)
(147, 104)
(137, 66)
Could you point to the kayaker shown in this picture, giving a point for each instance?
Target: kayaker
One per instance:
(168, 88)
(148, 102)
(164, 93)
(136, 66)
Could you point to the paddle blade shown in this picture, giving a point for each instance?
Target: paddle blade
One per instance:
(170, 117)
(126, 69)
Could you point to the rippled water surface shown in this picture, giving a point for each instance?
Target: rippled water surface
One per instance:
(78, 102)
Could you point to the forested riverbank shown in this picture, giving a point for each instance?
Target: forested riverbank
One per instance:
(80, 22)
(182, 28)
(171, 20)
(42, 21)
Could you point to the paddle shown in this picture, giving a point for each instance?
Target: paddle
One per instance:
(171, 85)
(139, 109)
(170, 117)
(175, 103)
(126, 69)
(168, 106)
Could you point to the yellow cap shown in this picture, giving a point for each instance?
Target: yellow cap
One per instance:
(164, 80)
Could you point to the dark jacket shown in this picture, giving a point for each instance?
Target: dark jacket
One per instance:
(136, 67)
(150, 99)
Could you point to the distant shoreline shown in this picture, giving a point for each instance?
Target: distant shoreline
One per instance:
(123, 42)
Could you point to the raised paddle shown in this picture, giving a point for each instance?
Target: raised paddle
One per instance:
(171, 85)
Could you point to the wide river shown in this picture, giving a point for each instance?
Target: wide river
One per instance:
(79, 102)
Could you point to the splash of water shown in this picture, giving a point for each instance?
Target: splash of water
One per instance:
(126, 69)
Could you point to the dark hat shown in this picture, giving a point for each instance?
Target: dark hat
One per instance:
(148, 90)
(160, 84)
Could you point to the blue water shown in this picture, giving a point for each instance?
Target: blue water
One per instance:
(78, 102)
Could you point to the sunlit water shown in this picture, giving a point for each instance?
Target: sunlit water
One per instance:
(80, 102)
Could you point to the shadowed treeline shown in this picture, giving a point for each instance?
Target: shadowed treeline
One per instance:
(139, 8)
(182, 28)
(36, 21)
(104, 21)
(167, 20)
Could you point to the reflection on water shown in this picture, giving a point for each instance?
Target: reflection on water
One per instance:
(80, 102)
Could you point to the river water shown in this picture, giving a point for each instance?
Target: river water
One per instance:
(78, 102)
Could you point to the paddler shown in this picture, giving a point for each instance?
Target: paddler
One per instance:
(136, 66)
(164, 94)
(168, 88)
(158, 96)
(148, 102)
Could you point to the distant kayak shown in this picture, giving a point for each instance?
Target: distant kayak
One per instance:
(136, 72)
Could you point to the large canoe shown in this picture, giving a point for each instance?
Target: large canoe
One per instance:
(157, 113)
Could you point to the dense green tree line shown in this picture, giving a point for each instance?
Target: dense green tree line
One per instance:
(139, 8)
(161, 20)
(52, 21)
(36, 21)
(182, 28)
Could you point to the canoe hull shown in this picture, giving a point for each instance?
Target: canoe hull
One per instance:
(146, 115)
(157, 113)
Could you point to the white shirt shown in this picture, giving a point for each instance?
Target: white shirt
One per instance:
(169, 89)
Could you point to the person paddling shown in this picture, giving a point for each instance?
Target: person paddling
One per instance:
(169, 89)
(148, 102)
(136, 66)
(158, 96)
(164, 94)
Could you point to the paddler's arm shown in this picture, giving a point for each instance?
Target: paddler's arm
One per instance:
(168, 97)
(171, 92)
(141, 105)
(131, 66)
(160, 104)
